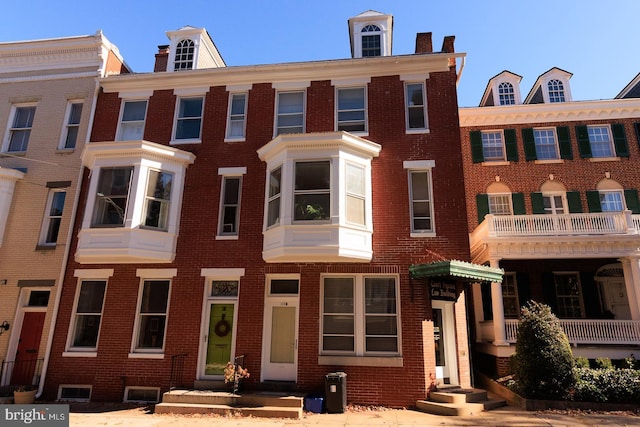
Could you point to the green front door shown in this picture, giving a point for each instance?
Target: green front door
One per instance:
(220, 338)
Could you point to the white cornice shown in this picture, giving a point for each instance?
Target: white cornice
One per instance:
(134, 149)
(46, 77)
(286, 72)
(555, 112)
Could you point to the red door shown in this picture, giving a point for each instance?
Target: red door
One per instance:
(27, 354)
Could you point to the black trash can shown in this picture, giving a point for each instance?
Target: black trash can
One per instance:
(335, 385)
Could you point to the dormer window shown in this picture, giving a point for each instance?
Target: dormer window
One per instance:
(506, 94)
(371, 40)
(556, 91)
(184, 55)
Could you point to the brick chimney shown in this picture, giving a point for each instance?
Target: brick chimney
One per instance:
(162, 58)
(423, 43)
(447, 44)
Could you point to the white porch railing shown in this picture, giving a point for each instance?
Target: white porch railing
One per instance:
(580, 331)
(565, 224)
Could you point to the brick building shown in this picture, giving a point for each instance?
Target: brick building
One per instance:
(47, 96)
(308, 217)
(552, 197)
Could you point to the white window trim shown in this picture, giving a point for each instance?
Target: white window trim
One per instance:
(283, 89)
(143, 121)
(503, 160)
(145, 275)
(85, 386)
(359, 356)
(147, 199)
(66, 125)
(552, 194)
(187, 94)
(365, 132)
(612, 146)
(46, 221)
(12, 116)
(230, 173)
(227, 137)
(555, 142)
(489, 195)
(421, 166)
(134, 387)
(425, 114)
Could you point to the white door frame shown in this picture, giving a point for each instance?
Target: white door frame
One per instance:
(448, 334)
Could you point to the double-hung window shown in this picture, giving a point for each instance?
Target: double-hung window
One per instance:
(492, 145)
(510, 296)
(351, 109)
(312, 191)
(152, 315)
(415, 106)
(53, 217)
(600, 141)
(229, 217)
(611, 201)
(20, 128)
(500, 204)
(273, 204)
(112, 196)
(356, 194)
(568, 295)
(157, 200)
(132, 120)
(72, 125)
(290, 112)
(553, 204)
(88, 314)
(421, 203)
(189, 119)
(236, 123)
(360, 315)
(546, 145)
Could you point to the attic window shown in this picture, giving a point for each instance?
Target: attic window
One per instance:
(556, 91)
(506, 94)
(371, 42)
(184, 55)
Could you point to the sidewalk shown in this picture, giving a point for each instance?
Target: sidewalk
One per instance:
(506, 416)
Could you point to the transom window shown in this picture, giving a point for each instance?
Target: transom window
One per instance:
(500, 204)
(546, 146)
(351, 109)
(611, 201)
(416, 111)
(72, 125)
(360, 315)
(312, 191)
(371, 41)
(510, 296)
(157, 199)
(189, 119)
(492, 145)
(556, 91)
(184, 55)
(506, 94)
(20, 129)
(600, 141)
(132, 121)
(237, 118)
(290, 112)
(152, 315)
(88, 314)
(568, 295)
(112, 196)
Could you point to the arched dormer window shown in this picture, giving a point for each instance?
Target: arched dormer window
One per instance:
(184, 55)
(506, 94)
(371, 40)
(556, 91)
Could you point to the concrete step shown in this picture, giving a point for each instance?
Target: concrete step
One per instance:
(458, 396)
(201, 408)
(458, 409)
(209, 397)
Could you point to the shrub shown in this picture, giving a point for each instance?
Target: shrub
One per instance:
(543, 362)
(604, 363)
(582, 362)
(607, 385)
(630, 363)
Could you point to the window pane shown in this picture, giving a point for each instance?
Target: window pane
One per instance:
(274, 182)
(74, 114)
(134, 111)
(381, 325)
(338, 295)
(91, 296)
(611, 201)
(312, 175)
(188, 129)
(600, 141)
(492, 145)
(284, 286)
(224, 288)
(151, 332)
(355, 207)
(154, 296)
(158, 199)
(24, 117)
(545, 142)
(86, 331)
(338, 343)
(191, 107)
(159, 185)
(382, 344)
(380, 295)
(338, 324)
(237, 104)
(311, 207)
(500, 204)
(351, 99)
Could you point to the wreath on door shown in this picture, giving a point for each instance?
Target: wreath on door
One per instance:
(222, 328)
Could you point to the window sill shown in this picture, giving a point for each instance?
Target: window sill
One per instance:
(235, 237)
(604, 159)
(146, 356)
(65, 150)
(243, 139)
(416, 131)
(389, 362)
(549, 161)
(496, 163)
(425, 234)
(80, 354)
(45, 247)
(185, 141)
(13, 153)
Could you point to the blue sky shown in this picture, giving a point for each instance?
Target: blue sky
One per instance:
(595, 40)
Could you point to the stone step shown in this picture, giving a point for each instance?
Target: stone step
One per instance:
(458, 396)
(458, 409)
(201, 408)
(208, 397)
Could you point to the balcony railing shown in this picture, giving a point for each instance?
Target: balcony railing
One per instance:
(561, 225)
(579, 331)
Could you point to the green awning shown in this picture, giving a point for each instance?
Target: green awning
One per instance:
(458, 269)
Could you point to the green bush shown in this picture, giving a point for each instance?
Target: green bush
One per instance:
(581, 362)
(607, 385)
(630, 363)
(604, 363)
(543, 363)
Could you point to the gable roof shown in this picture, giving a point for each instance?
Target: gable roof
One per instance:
(538, 83)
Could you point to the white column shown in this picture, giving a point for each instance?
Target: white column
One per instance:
(497, 307)
(631, 268)
(478, 311)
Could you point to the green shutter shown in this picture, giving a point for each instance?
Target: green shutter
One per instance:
(511, 145)
(620, 140)
(477, 155)
(482, 203)
(537, 205)
(593, 201)
(637, 128)
(518, 203)
(631, 197)
(529, 142)
(564, 142)
(574, 201)
(583, 142)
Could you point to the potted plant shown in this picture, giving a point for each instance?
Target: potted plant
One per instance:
(24, 395)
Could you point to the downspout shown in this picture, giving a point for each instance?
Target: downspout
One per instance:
(74, 211)
(459, 73)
